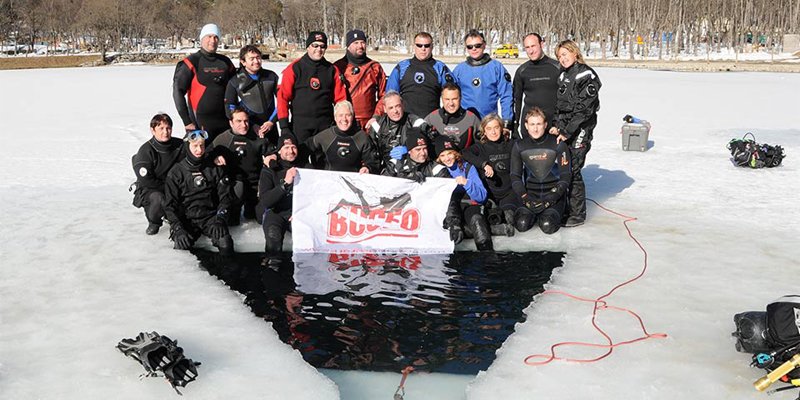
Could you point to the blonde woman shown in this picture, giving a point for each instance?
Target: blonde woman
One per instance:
(576, 116)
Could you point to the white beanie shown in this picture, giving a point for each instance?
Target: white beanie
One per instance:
(209, 29)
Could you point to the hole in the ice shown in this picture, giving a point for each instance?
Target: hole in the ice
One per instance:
(380, 313)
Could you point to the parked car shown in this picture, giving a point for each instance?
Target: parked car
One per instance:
(506, 51)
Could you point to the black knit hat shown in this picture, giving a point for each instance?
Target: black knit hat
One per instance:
(442, 143)
(317, 36)
(355, 34)
(414, 138)
(286, 137)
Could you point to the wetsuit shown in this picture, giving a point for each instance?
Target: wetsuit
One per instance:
(365, 80)
(538, 82)
(198, 197)
(464, 210)
(387, 134)
(419, 83)
(151, 164)
(410, 169)
(343, 151)
(309, 89)
(504, 201)
(243, 161)
(483, 82)
(540, 174)
(462, 126)
(576, 116)
(256, 94)
(274, 205)
(202, 77)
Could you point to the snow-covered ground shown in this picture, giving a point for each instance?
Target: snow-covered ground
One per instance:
(78, 273)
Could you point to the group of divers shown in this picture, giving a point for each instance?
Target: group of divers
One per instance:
(248, 130)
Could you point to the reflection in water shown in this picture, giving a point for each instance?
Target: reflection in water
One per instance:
(438, 313)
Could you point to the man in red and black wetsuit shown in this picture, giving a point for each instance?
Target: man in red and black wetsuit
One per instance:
(201, 79)
(309, 88)
(364, 78)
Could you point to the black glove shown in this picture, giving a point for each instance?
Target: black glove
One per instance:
(181, 239)
(556, 193)
(535, 206)
(456, 234)
(419, 177)
(219, 227)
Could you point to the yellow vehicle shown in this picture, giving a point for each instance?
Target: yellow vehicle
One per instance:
(505, 51)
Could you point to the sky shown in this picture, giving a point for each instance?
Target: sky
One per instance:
(79, 274)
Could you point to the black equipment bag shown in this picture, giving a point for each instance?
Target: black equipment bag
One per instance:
(748, 153)
(783, 321)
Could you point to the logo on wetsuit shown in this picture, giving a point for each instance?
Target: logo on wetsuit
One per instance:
(419, 77)
(314, 83)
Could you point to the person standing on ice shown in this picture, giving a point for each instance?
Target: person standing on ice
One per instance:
(309, 88)
(151, 164)
(483, 81)
(198, 198)
(253, 88)
(540, 175)
(537, 81)
(364, 78)
(577, 103)
(198, 86)
(420, 79)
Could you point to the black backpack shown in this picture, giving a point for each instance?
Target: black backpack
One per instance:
(747, 153)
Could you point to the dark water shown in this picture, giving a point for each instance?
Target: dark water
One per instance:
(438, 313)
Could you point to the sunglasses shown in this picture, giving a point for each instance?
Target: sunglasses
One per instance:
(319, 46)
(196, 134)
(474, 46)
(423, 45)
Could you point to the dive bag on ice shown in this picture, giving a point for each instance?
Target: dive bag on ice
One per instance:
(160, 354)
(746, 152)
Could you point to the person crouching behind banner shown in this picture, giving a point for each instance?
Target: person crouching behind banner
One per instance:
(546, 163)
(274, 209)
(344, 147)
(467, 199)
(198, 197)
(493, 154)
(415, 165)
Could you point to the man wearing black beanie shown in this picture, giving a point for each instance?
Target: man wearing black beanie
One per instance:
(364, 78)
(309, 88)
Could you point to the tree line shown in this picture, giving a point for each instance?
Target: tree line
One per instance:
(667, 27)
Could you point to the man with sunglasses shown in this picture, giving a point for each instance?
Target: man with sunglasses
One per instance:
(420, 79)
(537, 80)
(198, 197)
(364, 78)
(198, 86)
(483, 81)
(309, 88)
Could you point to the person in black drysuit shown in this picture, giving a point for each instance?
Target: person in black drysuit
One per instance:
(415, 164)
(253, 88)
(243, 156)
(151, 164)
(491, 155)
(537, 80)
(344, 146)
(198, 87)
(540, 173)
(576, 116)
(274, 207)
(198, 197)
(452, 120)
(388, 132)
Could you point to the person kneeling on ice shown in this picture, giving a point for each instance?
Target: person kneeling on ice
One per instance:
(198, 197)
(415, 165)
(467, 199)
(274, 209)
(151, 164)
(546, 163)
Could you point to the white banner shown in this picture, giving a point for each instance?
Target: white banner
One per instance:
(342, 212)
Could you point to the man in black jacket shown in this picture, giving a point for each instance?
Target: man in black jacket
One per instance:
(200, 79)
(198, 197)
(537, 81)
(253, 88)
(388, 132)
(151, 164)
(274, 209)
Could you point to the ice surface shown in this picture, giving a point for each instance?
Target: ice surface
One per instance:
(78, 273)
